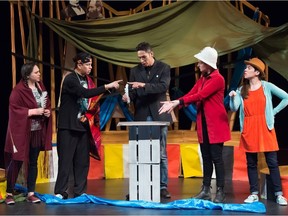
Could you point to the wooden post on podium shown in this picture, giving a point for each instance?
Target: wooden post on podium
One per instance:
(144, 159)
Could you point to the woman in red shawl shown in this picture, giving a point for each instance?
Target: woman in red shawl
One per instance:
(29, 130)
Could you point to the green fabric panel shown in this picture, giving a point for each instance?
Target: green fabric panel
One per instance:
(177, 32)
(32, 46)
(274, 50)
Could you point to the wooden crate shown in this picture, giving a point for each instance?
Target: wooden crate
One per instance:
(144, 182)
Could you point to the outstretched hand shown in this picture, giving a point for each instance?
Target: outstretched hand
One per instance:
(168, 106)
(136, 85)
(114, 84)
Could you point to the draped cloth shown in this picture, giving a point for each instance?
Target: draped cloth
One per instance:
(18, 137)
(92, 115)
(181, 205)
(177, 32)
(19, 124)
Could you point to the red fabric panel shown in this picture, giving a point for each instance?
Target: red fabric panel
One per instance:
(173, 154)
(96, 170)
(239, 168)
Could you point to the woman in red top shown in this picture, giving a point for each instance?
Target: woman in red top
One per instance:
(212, 121)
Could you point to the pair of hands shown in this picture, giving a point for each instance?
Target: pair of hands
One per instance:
(168, 106)
(134, 85)
(39, 111)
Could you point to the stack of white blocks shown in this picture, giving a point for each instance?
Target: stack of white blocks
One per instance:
(144, 164)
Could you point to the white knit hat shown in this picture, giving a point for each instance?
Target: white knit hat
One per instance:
(209, 56)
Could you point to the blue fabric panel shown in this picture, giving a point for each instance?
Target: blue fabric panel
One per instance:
(188, 204)
(108, 106)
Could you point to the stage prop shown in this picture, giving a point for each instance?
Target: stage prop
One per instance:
(144, 159)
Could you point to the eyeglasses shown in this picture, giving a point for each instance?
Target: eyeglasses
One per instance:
(145, 56)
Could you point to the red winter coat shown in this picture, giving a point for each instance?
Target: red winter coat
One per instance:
(209, 91)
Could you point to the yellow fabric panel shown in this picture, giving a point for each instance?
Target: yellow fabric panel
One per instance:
(44, 168)
(190, 158)
(2, 189)
(113, 161)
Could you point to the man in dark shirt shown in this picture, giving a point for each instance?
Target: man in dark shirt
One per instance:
(73, 137)
(150, 81)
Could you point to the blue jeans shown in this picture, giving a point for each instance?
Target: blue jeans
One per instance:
(272, 163)
(163, 155)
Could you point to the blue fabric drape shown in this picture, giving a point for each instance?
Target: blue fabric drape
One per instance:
(190, 111)
(243, 55)
(188, 204)
(108, 106)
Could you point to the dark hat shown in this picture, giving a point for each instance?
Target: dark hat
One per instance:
(256, 63)
(82, 57)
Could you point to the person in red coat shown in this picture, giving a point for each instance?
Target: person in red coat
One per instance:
(29, 130)
(212, 121)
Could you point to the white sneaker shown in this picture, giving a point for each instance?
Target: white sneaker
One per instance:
(281, 200)
(251, 198)
(59, 196)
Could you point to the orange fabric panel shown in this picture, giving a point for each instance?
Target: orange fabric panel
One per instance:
(240, 167)
(284, 180)
(173, 154)
(96, 169)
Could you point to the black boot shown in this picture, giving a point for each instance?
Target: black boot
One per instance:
(204, 194)
(220, 195)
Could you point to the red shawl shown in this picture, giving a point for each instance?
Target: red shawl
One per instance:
(19, 124)
(92, 115)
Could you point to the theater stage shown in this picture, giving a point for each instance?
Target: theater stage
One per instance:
(116, 189)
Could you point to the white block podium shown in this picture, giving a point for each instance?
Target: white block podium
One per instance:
(144, 159)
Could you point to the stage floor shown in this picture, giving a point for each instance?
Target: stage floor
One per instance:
(116, 189)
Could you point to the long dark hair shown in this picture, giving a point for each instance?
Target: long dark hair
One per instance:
(26, 70)
(246, 85)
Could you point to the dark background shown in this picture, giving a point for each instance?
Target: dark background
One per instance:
(274, 9)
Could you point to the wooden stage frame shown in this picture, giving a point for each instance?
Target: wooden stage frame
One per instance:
(173, 137)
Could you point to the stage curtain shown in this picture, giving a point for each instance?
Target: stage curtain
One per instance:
(113, 161)
(45, 167)
(191, 160)
(176, 33)
(284, 180)
(96, 169)
(173, 154)
(2, 189)
(240, 167)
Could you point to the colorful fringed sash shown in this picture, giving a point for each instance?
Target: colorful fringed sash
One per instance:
(93, 118)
